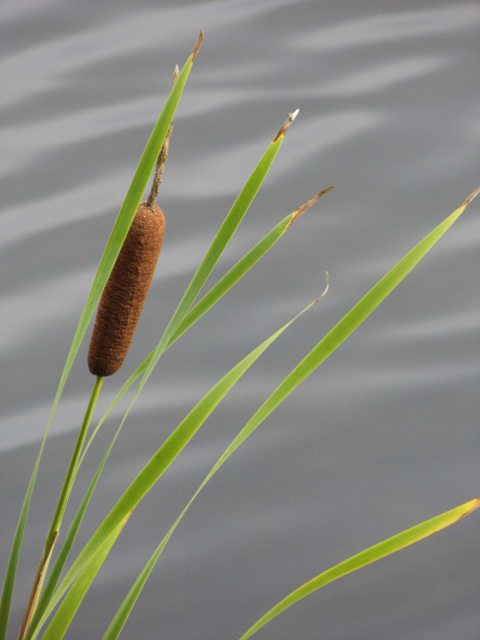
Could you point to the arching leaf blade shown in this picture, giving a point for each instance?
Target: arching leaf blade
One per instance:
(378, 551)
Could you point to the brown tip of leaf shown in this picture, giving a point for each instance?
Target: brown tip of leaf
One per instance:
(197, 46)
(309, 203)
(286, 124)
(471, 197)
(176, 73)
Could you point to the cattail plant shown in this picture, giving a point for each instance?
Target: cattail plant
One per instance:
(126, 290)
(120, 287)
(118, 314)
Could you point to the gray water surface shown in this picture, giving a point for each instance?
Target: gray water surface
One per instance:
(383, 435)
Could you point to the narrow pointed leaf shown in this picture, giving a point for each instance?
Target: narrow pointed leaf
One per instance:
(66, 611)
(10, 574)
(385, 548)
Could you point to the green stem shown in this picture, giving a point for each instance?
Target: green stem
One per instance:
(60, 509)
(71, 472)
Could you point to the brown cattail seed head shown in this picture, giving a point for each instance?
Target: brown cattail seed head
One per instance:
(125, 292)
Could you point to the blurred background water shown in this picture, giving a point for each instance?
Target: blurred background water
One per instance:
(384, 434)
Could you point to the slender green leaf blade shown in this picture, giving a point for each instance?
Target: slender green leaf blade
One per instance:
(122, 614)
(118, 622)
(66, 611)
(385, 548)
(10, 574)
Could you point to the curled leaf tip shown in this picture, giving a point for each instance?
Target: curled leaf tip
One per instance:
(197, 46)
(286, 124)
(324, 292)
(327, 278)
(471, 197)
(309, 203)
